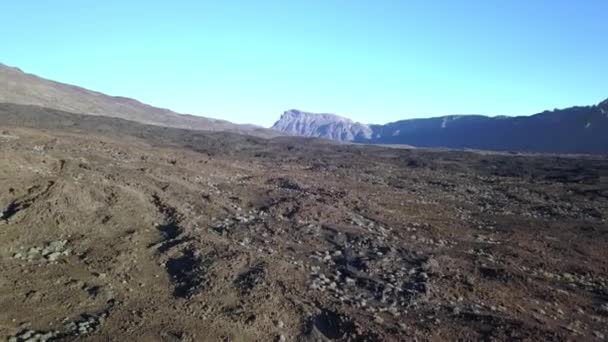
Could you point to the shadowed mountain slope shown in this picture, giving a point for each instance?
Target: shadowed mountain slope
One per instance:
(572, 130)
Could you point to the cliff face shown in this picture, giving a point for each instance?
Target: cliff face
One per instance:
(328, 126)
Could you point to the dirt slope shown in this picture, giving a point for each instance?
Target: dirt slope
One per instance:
(21, 88)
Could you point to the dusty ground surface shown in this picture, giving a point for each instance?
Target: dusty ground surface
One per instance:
(112, 231)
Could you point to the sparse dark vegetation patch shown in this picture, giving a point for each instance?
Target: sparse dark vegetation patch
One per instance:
(285, 183)
(13, 208)
(248, 280)
(335, 327)
(169, 229)
(187, 273)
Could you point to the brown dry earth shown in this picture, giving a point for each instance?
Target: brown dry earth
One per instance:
(123, 232)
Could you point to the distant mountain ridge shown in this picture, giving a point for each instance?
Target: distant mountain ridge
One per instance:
(21, 88)
(604, 106)
(582, 129)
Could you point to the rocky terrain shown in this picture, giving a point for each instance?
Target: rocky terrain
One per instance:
(570, 130)
(112, 230)
(21, 88)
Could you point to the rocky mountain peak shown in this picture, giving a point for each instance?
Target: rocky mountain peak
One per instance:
(295, 114)
(324, 125)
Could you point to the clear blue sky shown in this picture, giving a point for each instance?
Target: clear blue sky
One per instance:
(375, 61)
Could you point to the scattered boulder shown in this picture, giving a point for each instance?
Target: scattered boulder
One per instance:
(51, 252)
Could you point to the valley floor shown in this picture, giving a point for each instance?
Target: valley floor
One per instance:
(162, 236)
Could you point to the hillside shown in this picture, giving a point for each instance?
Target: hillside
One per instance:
(19, 87)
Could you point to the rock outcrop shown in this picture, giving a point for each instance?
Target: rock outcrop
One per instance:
(328, 126)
